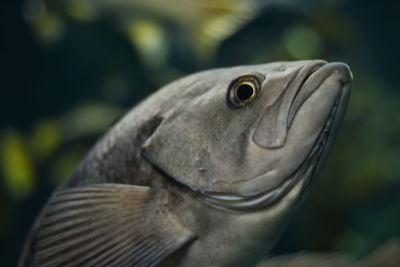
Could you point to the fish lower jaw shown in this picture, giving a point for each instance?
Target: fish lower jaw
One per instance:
(248, 203)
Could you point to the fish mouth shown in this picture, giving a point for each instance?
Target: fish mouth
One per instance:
(235, 202)
(281, 113)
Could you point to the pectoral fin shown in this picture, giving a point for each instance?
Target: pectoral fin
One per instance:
(108, 225)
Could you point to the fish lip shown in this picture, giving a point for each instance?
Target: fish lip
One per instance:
(310, 70)
(326, 70)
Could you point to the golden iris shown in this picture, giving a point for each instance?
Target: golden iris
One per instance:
(243, 91)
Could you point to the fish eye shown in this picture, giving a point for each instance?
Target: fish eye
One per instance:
(243, 91)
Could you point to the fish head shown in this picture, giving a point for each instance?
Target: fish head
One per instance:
(242, 137)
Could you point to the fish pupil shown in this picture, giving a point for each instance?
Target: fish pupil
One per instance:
(244, 92)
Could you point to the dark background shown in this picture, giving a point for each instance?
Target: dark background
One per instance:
(68, 72)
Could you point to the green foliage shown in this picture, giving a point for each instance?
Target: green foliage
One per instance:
(16, 164)
(45, 139)
(302, 42)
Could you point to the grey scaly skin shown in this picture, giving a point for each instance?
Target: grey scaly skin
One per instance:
(205, 172)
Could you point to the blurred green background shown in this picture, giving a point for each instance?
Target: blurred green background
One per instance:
(71, 67)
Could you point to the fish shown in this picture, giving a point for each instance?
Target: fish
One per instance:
(204, 172)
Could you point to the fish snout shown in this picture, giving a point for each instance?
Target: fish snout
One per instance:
(316, 77)
(329, 79)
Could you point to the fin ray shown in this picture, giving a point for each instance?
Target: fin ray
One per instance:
(108, 225)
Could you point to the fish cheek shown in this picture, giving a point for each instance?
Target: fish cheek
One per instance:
(180, 148)
(204, 141)
(191, 139)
